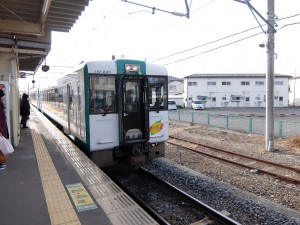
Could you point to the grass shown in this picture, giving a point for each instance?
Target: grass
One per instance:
(294, 141)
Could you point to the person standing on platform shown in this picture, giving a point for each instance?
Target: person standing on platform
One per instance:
(24, 110)
(3, 129)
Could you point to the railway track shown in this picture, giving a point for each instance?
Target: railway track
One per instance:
(280, 171)
(166, 203)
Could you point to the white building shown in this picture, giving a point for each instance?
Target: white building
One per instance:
(175, 87)
(234, 90)
(295, 91)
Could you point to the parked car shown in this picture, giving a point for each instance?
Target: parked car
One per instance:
(197, 104)
(172, 105)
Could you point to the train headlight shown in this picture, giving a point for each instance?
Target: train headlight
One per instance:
(132, 68)
(137, 149)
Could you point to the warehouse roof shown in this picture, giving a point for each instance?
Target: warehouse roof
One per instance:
(234, 75)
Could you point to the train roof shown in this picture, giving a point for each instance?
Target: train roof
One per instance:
(151, 69)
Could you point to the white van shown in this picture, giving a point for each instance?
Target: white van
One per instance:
(172, 105)
(197, 104)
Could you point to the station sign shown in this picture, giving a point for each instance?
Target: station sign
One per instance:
(24, 74)
(81, 198)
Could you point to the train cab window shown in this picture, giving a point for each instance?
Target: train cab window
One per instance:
(102, 94)
(158, 92)
(132, 96)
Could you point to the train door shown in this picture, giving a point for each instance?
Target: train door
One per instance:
(79, 115)
(134, 111)
(69, 107)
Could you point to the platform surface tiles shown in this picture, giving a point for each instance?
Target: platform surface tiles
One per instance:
(49, 181)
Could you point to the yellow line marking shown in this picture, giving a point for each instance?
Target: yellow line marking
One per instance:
(59, 205)
(100, 186)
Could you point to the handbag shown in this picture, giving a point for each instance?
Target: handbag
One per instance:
(5, 146)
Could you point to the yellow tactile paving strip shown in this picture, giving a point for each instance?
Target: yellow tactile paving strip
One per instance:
(117, 205)
(59, 205)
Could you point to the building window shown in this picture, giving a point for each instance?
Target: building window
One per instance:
(209, 83)
(245, 83)
(259, 83)
(247, 99)
(192, 83)
(226, 83)
(235, 98)
(172, 87)
(277, 82)
(224, 98)
(202, 98)
(213, 99)
(97, 80)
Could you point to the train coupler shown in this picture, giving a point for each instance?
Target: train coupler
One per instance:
(138, 160)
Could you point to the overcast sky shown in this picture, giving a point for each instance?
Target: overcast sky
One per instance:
(215, 39)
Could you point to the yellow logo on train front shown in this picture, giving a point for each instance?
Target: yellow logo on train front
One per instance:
(156, 127)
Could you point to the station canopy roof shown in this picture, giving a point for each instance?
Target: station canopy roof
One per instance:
(26, 25)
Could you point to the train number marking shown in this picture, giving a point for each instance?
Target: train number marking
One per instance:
(103, 71)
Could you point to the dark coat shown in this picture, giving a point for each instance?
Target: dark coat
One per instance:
(3, 122)
(25, 106)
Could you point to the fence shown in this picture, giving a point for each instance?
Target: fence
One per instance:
(248, 124)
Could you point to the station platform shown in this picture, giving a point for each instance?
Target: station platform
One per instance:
(49, 181)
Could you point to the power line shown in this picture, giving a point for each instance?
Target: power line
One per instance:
(254, 13)
(222, 46)
(203, 6)
(208, 43)
(289, 24)
(192, 12)
(161, 10)
(110, 10)
(288, 17)
(220, 39)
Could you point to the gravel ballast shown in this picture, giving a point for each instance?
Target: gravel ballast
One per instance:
(250, 197)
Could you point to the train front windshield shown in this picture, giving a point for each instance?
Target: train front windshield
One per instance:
(158, 92)
(102, 94)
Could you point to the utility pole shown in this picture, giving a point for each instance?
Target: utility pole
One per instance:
(269, 144)
(269, 126)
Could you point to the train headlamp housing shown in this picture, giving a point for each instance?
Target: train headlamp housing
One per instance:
(132, 68)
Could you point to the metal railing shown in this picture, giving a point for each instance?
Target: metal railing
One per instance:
(250, 124)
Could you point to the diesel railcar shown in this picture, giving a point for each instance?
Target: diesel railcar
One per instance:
(115, 110)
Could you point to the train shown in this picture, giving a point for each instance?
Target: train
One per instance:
(116, 111)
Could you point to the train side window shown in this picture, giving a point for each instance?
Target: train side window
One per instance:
(158, 92)
(102, 94)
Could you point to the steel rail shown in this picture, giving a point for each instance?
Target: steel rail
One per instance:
(158, 218)
(238, 154)
(210, 213)
(216, 215)
(292, 180)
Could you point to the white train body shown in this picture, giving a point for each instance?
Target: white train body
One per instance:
(116, 111)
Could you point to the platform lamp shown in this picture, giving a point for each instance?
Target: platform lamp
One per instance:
(45, 67)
